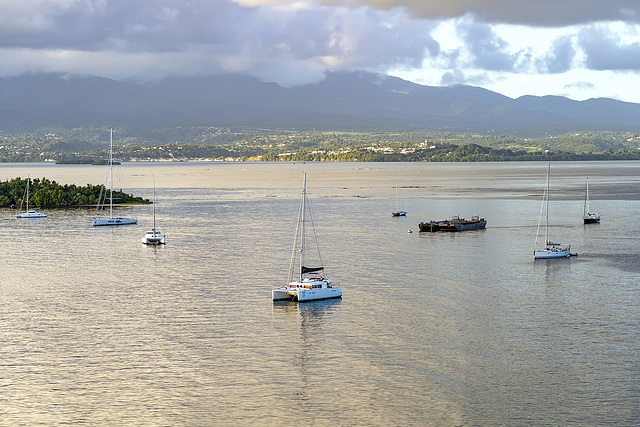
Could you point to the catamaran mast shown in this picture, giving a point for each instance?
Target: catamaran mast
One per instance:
(304, 201)
(154, 206)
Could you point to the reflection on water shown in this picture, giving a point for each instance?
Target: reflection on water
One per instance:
(433, 329)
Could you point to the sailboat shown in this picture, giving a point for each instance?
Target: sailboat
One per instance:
(551, 249)
(153, 237)
(398, 212)
(29, 213)
(588, 216)
(111, 220)
(308, 283)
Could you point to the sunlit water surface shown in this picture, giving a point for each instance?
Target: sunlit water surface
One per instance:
(433, 329)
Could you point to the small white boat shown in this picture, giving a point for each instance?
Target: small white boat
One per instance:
(310, 284)
(153, 237)
(587, 216)
(29, 213)
(111, 220)
(551, 249)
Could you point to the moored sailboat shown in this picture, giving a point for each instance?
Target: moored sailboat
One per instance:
(29, 213)
(587, 216)
(551, 249)
(153, 236)
(398, 212)
(310, 285)
(111, 220)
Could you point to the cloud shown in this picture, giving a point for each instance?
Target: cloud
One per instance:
(296, 42)
(607, 50)
(547, 13)
(207, 37)
(580, 85)
(560, 58)
(488, 50)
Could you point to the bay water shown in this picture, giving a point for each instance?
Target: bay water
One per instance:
(433, 329)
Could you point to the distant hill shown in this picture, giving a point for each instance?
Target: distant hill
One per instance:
(356, 101)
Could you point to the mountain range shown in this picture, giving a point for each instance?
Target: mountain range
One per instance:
(345, 101)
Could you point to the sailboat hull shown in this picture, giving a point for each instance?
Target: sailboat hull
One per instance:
(551, 253)
(591, 219)
(31, 214)
(113, 221)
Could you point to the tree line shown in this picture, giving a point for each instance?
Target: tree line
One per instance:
(46, 193)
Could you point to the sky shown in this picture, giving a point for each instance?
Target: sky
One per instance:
(575, 48)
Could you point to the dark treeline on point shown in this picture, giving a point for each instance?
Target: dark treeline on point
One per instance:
(45, 193)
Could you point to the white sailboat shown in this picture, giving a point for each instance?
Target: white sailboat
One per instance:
(29, 213)
(587, 216)
(153, 237)
(309, 283)
(398, 212)
(551, 249)
(111, 220)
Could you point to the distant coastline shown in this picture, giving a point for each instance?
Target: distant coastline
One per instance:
(214, 144)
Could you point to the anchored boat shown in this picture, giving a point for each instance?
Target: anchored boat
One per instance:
(153, 236)
(551, 249)
(33, 212)
(454, 224)
(311, 284)
(111, 220)
(589, 217)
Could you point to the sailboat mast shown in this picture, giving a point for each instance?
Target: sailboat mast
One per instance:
(396, 197)
(28, 179)
(546, 226)
(154, 206)
(304, 202)
(587, 208)
(111, 175)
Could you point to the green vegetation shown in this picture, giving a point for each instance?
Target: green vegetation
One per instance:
(79, 146)
(46, 194)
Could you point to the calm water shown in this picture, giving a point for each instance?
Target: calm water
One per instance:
(433, 329)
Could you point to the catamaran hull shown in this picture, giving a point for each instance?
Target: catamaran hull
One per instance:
(307, 290)
(304, 295)
(114, 221)
(153, 240)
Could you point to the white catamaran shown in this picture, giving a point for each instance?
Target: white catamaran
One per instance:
(551, 249)
(29, 213)
(153, 237)
(310, 284)
(111, 220)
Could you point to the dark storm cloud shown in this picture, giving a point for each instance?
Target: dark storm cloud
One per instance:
(122, 24)
(297, 42)
(546, 13)
(217, 36)
(605, 50)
